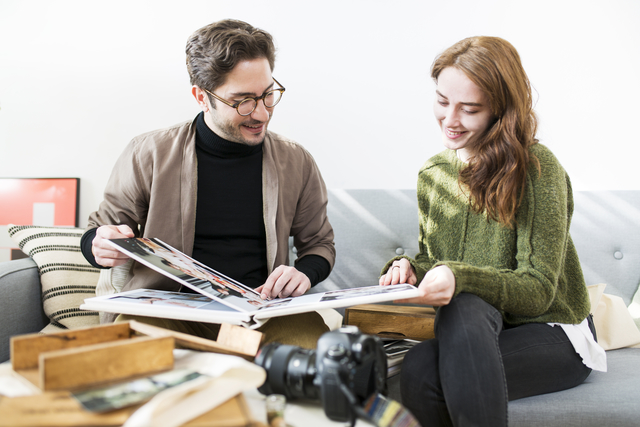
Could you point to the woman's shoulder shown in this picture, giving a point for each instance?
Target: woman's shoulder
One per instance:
(548, 162)
(549, 181)
(543, 153)
(445, 157)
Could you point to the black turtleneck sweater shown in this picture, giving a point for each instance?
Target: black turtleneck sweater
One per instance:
(230, 233)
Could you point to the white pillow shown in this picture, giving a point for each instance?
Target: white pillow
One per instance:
(66, 276)
(614, 325)
(111, 281)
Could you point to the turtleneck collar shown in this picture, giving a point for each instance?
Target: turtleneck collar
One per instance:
(212, 143)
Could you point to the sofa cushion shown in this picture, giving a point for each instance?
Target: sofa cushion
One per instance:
(20, 303)
(604, 399)
(66, 277)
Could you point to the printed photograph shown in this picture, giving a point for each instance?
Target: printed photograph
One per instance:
(119, 396)
(359, 292)
(209, 282)
(171, 299)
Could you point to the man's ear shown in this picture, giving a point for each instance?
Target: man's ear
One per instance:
(201, 98)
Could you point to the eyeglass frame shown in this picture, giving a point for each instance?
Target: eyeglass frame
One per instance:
(281, 89)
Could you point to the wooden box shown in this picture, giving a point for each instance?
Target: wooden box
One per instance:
(392, 321)
(85, 357)
(60, 409)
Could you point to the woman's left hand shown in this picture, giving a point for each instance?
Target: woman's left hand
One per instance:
(400, 271)
(436, 289)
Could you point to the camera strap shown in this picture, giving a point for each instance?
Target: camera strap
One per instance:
(379, 410)
(385, 412)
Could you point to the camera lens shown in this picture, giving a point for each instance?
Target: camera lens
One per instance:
(290, 371)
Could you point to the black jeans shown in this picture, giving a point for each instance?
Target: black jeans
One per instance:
(466, 375)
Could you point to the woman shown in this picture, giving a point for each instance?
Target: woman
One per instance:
(496, 256)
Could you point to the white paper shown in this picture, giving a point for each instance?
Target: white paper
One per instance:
(228, 377)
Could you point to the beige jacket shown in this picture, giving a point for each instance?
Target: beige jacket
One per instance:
(153, 189)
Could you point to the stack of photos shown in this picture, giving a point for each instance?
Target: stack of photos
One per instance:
(112, 397)
(395, 350)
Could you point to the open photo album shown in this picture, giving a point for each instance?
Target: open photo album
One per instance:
(218, 298)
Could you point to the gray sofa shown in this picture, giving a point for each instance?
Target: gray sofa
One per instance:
(372, 226)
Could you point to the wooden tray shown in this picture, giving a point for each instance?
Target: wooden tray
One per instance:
(86, 357)
(392, 321)
(60, 409)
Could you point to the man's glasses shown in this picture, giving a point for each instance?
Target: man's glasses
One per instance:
(248, 105)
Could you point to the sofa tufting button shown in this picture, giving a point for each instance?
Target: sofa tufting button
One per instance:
(617, 255)
(399, 251)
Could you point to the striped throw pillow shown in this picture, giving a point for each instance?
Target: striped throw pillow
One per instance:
(65, 275)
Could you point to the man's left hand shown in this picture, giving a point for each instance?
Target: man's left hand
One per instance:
(284, 282)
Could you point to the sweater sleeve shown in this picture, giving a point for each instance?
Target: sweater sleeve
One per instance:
(85, 246)
(312, 233)
(315, 267)
(126, 195)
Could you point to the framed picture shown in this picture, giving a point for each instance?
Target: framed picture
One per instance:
(36, 201)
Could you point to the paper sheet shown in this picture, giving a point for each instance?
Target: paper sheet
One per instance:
(230, 376)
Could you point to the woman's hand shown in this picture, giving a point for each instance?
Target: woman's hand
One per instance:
(436, 289)
(401, 271)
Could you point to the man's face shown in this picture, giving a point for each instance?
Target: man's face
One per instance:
(250, 78)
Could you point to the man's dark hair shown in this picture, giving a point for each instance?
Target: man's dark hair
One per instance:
(213, 51)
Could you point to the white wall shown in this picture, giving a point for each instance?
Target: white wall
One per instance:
(79, 79)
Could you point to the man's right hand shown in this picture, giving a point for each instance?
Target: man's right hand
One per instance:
(105, 254)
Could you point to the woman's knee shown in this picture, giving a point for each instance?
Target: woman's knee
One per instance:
(467, 312)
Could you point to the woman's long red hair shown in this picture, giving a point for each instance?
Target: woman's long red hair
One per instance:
(497, 170)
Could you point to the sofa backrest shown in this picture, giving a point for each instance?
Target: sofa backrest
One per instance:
(372, 226)
(606, 231)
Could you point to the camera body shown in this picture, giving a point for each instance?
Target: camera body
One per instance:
(346, 368)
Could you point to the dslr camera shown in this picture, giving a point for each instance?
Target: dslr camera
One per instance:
(345, 369)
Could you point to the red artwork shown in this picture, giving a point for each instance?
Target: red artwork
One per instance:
(39, 201)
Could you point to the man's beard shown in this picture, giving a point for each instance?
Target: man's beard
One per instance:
(232, 132)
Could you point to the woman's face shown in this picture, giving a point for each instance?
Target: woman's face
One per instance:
(461, 109)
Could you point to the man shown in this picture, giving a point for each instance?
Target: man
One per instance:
(222, 188)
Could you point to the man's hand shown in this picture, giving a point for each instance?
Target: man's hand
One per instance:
(436, 289)
(283, 282)
(105, 254)
(400, 271)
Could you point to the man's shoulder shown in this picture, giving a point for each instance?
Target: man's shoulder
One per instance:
(282, 141)
(281, 144)
(166, 135)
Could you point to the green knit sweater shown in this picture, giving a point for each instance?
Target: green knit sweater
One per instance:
(530, 272)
